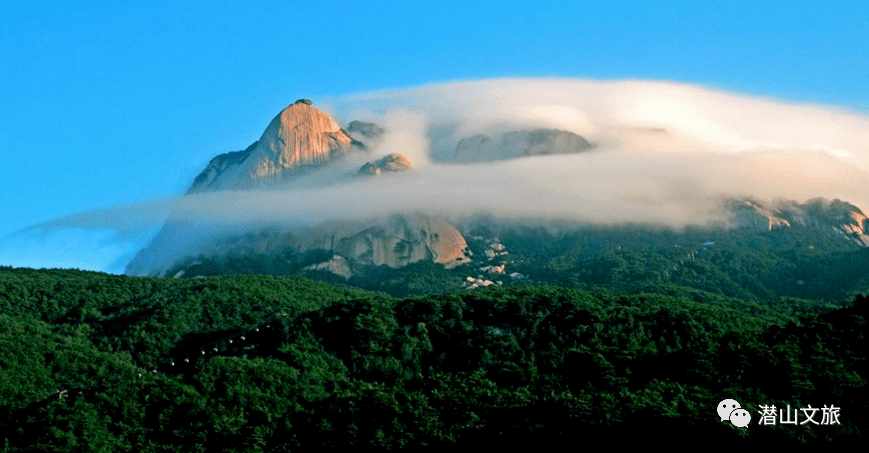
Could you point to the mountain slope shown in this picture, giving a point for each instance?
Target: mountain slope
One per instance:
(836, 217)
(301, 139)
(297, 139)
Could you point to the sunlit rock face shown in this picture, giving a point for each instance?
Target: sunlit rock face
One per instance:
(482, 148)
(297, 139)
(858, 228)
(391, 163)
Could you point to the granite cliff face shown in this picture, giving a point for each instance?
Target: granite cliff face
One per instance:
(299, 139)
(394, 241)
(834, 217)
(752, 215)
(392, 163)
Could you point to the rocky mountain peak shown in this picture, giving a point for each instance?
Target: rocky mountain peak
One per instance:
(299, 138)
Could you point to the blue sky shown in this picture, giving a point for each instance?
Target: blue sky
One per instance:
(117, 103)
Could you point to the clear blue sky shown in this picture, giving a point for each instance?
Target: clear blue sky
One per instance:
(111, 103)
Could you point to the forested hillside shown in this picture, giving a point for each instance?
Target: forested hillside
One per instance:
(787, 262)
(95, 362)
(765, 267)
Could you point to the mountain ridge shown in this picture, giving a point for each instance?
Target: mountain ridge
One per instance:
(301, 139)
(297, 139)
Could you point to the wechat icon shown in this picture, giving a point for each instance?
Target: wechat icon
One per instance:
(730, 409)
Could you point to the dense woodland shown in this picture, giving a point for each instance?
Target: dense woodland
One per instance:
(784, 263)
(598, 343)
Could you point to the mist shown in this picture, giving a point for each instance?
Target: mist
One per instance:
(665, 154)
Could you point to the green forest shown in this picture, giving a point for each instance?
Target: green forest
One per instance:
(596, 344)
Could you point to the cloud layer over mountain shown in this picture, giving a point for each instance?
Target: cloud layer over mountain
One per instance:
(664, 153)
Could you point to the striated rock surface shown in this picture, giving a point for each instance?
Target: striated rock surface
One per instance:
(834, 217)
(481, 148)
(857, 228)
(750, 214)
(391, 163)
(400, 240)
(297, 139)
(395, 241)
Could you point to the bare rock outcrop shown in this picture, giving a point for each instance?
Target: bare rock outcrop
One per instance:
(402, 240)
(396, 241)
(297, 139)
(392, 163)
(366, 130)
(750, 214)
(337, 265)
(481, 148)
(834, 217)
